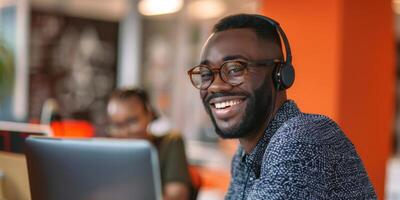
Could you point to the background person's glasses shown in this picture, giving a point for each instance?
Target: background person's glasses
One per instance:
(115, 129)
(231, 72)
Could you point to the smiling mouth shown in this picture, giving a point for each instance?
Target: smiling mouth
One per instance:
(224, 108)
(226, 104)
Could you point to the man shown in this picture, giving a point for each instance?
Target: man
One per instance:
(130, 114)
(283, 153)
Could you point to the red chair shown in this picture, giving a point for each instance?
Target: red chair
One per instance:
(196, 181)
(72, 128)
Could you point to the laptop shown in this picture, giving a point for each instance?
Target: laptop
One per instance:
(92, 169)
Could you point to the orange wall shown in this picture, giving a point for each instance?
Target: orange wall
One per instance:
(314, 36)
(366, 101)
(343, 53)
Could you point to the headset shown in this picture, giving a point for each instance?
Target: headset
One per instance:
(283, 75)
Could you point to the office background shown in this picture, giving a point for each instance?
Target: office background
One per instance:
(76, 51)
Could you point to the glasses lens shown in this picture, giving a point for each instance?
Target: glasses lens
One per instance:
(233, 72)
(201, 77)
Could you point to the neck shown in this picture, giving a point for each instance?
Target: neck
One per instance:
(250, 141)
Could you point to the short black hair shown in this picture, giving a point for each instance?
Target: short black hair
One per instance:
(126, 93)
(264, 29)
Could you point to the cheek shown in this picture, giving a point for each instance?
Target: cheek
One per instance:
(143, 127)
(255, 80)
(143, 122)
(139, 128)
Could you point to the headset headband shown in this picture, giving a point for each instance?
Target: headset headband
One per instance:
(284, 76)
(281, 33)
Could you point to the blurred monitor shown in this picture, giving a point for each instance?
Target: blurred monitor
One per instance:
(13, 134)
(92, 169)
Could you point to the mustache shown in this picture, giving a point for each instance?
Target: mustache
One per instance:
(223, 94)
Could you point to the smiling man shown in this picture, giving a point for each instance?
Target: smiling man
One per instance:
(283, 153)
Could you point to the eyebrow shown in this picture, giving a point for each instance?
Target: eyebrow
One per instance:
(226, 58)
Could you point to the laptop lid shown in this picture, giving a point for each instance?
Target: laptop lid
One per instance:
(92, 169)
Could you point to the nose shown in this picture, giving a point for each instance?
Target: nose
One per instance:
(218, 85)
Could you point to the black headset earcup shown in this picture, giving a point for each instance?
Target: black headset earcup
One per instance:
(283, 76)
(287, 76)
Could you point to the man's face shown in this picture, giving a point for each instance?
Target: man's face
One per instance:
(242, 109)
(128, 118)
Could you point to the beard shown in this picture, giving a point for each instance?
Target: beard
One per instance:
(258, 108)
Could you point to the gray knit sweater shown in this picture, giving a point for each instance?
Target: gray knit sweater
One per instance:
(301, 156)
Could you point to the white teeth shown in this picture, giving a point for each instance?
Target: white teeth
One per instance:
(221, 105)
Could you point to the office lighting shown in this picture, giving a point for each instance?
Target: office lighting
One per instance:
(396, 6)
(206, 9)
(159, 7)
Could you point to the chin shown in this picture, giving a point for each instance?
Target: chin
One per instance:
(239, 128)
(230, 133)
(233, 129)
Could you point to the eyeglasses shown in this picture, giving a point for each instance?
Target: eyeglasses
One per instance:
(231, 72)
(116, 128)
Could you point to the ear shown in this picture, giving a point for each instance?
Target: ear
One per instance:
(276, 76)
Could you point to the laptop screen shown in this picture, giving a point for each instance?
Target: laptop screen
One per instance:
(92, 169)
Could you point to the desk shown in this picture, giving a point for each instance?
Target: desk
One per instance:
(16, 181)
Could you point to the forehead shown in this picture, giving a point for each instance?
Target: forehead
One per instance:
(128, 106)
(233, 42)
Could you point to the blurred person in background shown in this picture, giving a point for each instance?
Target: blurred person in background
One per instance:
(283, 152)
(130, 115)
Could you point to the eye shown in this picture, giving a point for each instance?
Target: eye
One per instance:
(205, 74)
(233, 69)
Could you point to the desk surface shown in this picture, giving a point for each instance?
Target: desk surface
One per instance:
(15, 180)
